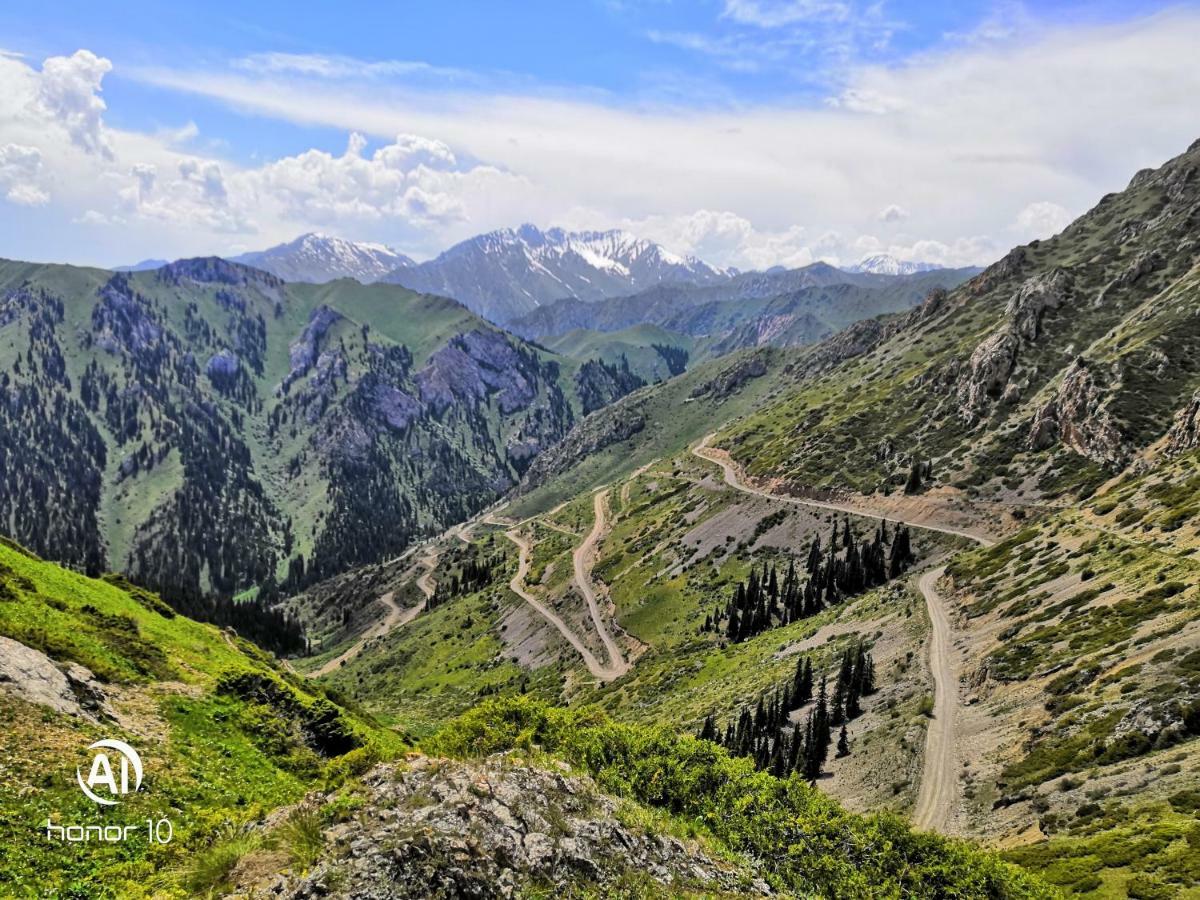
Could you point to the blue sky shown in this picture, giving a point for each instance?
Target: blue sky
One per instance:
(752, 131)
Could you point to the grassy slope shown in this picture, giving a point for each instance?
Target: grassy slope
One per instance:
(674, 419)
(1101, 618)
(1142, 338)
(808, 844)
(212, 758)
(635, 344)
(395, 316)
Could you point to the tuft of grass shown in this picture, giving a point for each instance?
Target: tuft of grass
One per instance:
(208, 872)
(303, 836)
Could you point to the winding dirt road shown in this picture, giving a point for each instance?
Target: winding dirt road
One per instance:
(395, 617)
(584, 558)
(518, 586)
(939, 780)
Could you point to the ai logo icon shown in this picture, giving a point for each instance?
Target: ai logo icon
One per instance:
(112, 784)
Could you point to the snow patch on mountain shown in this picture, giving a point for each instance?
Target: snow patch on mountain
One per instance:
(318, 258)
(886, 264)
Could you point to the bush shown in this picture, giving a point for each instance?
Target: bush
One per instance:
(807, 843)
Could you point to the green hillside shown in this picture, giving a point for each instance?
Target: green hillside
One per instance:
(224, 733)
(209, 429)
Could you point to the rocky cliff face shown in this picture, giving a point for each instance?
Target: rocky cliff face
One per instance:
(501, 827)
(1067, 358)
(1184, 434)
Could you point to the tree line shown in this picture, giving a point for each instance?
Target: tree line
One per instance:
(767, 735)
(843, 568)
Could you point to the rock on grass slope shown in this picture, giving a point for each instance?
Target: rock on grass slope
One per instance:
(224, 733)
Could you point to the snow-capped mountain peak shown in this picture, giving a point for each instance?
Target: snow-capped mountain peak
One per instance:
(505, 273)
(318, 258)
(886, 264)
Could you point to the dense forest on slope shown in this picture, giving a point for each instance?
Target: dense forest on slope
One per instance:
(208, 429)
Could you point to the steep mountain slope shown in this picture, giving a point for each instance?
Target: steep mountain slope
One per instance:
(1045, 374)
(787, 308)
(318, 258)
(504, 274)
(1050, 402)
(654, 353)
(224, 735)
(209, 429)
(258, 782)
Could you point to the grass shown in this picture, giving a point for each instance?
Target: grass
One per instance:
(214, 761)
(807, 843)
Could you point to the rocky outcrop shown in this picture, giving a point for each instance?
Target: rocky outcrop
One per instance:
(1077, 417)
(985, 379)
(35, 678)
(1037, 295)
(1184, 433)
(601, 429)
(224, 364)
(302, 352)
(497, 828)
(987, 372)
(732, 379)
(472, 366)
(122, 319)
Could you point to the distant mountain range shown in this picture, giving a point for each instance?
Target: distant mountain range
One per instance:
(886, 264)
(318, 258)
(504, 274)
(783, 307)
(514, 275)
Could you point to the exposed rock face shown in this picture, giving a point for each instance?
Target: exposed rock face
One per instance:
(1034, 298)
(601, 429)
(987, 372)
(732, 379)
(1184, 434)
(986, 377)
(34, 677)
(470, 367)
(1076, 416)
(122, 321)
(302, 353)
(496, 828)
(222, 365)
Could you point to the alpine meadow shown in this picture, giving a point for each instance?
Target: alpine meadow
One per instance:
(747, 448)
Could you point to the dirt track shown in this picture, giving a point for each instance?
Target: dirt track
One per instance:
(604, 673)
(939, 781)
(394, 618)
(584, 558)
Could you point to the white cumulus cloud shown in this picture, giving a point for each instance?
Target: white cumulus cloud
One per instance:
(1042, 219)
(20, 170)
(68, 94)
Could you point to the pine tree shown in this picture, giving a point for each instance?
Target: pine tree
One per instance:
(843, 744)
(779, 757)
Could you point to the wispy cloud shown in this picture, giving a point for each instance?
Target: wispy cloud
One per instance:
(345, 67)
(951, 156)
(776, 13)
